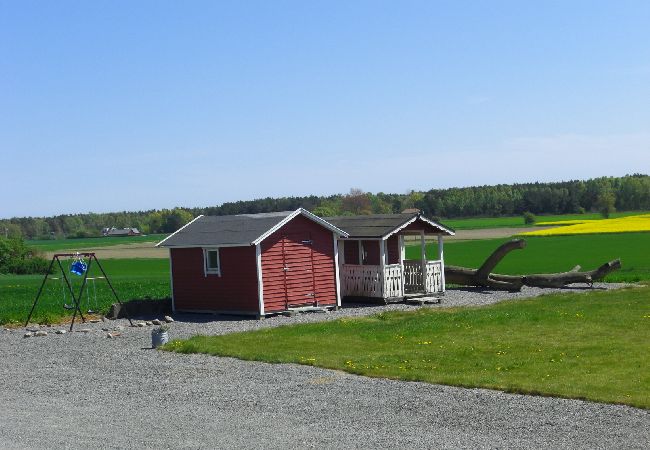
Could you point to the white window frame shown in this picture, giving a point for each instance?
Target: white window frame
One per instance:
(207, 270)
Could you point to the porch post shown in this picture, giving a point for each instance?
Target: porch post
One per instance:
(382, 266)
(423, 250)
(441, 257)
(402, 257)
(360, 252)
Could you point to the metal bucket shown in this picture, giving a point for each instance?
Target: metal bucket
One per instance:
(159, 338)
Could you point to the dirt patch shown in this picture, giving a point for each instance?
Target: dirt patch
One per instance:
(485, 233)
(122, 251)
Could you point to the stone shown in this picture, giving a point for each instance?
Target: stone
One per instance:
(40, 333)
(118, 328)
(84, 330)
(168, 319)
(28, 334)
(156, 322)
(113, 335)
(60, 331)
(94, 321)
(148, 323)
(106, 329)
(140, 324)
(33, 329)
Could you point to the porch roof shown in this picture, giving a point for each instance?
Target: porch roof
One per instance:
(384, 225)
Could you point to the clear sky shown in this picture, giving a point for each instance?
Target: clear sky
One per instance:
(108, 105)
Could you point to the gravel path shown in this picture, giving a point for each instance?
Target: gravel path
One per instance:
(81, 389)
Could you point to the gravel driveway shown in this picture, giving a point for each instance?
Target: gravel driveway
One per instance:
(82, 389)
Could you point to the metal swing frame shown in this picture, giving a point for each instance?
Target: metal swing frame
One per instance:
(75, 298)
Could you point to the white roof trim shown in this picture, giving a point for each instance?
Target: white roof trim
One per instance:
(413, 219)
(179, 230)
(297, 212)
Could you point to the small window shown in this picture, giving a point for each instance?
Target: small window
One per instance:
(211, 261)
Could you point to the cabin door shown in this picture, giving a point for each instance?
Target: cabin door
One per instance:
(298, 267)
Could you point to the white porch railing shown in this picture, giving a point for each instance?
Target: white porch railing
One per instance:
(413, 276)
(367, 281)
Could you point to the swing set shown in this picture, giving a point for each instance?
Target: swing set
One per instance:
(78, 267)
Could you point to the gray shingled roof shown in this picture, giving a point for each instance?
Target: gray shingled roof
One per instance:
(224, 230)
(243, 229)
(376, 225)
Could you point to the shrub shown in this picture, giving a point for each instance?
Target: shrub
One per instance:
(17, 258)
(529, 218)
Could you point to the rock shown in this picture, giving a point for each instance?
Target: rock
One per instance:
(168, 319)
(156, 322)
(94, 321)
(40, 333)
(113, 335)
(148, 323)
(60, 331)
(84, 330)
(140, 324)
(33, 329)
(118, 328)
(28, 334)
(105, 329)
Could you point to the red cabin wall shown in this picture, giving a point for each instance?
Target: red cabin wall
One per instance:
(393, 250)
(234, 291)
(351, 251)
(324, 271)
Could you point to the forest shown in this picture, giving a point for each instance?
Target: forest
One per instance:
(604, 194)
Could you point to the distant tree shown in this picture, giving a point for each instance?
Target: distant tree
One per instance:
(529, 218)
(605, 203)
(175, 219)
(356, 202)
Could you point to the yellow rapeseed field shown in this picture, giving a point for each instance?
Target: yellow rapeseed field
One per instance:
(628, 224)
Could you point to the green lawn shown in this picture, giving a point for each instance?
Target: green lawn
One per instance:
(52, 245)
(475, 223)
(592, 346)
(132, 279)
(555, 254)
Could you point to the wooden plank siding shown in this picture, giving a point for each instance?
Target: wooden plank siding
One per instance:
(351, 251)
(311, 273)
(234, 291)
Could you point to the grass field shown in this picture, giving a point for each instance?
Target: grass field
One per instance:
(132, 279)
(555, 254)
(77, 244)
(477, 223)
(593, 347)
(142, 278)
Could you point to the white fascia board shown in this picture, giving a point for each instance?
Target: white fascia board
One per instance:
(241, 244)
(413, 219)
(180, 229)
(297, 212)
(433, 223)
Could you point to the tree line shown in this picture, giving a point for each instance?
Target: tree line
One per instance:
(604, 194)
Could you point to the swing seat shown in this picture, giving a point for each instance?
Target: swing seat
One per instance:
(78, 267)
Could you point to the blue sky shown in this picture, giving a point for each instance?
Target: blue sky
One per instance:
(109, 106)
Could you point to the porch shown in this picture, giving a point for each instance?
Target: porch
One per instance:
(393, 281)
(371, 260)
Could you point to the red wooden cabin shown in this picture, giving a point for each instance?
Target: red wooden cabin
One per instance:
(254, 264)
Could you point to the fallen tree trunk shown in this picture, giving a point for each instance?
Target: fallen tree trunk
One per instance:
(564, 278)
(483, 276)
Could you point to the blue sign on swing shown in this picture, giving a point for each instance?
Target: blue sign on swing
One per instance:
(78, 267)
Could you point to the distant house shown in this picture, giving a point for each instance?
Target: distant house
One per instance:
(120, 232)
